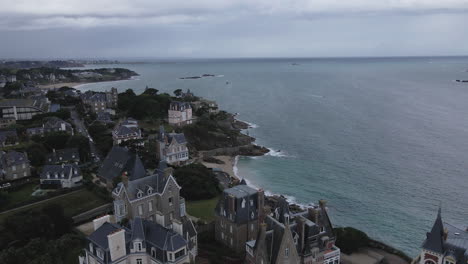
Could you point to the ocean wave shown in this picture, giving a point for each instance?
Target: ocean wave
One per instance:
(291, 199)
(276, 153)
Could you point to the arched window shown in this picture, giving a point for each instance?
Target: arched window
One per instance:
(153, 252)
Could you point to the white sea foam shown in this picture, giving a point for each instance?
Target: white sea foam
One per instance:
(276, 153)
(291, 199)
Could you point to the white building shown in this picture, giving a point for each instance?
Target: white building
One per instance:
(143, 242)
(180, 113)
(172, 147)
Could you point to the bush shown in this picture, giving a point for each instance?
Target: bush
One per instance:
(350, 240)
(197, 182)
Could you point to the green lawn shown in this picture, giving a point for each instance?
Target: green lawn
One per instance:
(21, 195)
(73, 203)
(203, 209)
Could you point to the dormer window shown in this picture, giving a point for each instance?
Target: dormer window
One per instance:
(150, 190)
(139, 194)
(243, 203)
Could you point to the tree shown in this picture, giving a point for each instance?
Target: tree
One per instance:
(178, 92)
(82, 144)
(36, 154)
(197, 182)
(350, 240)
(56, 140)
(150, 91)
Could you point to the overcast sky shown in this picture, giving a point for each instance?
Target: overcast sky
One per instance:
(232, 28)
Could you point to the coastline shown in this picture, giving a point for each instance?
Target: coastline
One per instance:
(59, 85)
(77, 85)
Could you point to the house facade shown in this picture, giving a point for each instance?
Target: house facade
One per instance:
(14, 165)
(142, 242)
(444, 244)
(172, 147)
(180, 113)
(100, 102)
(302, 237)
(238, 214)
(59, 156)
(61, 176)
(155, 198)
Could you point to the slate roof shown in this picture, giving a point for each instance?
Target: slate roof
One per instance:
(240, 191)
(5, 134)
(161, 237)
(121, 130)
(241, 194)
(118, 160)
(179, 106)
(434, 239)
(67, 155)
(11, 158)
(54, 108)
(178, 137)
(35, 131)
(55, 123)
(67, 170)
(99, 237)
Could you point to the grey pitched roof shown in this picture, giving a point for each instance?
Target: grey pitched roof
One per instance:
(178, 137)
(179, 106)
(5, 134)
(99, 237)
(156, 182)
(55, 122)
(121, 130)
(242, 194)
(456, 244)
(67, 170)
(137, 229)
(434, 239)
(118, 160)
(12, 158)
(66, 155)
(54, 108)
(240, 191)
(135, 168)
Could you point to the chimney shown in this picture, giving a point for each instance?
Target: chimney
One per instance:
(125, 179)
(53, 150)
(231, 203)
(98, 222)
(116, 241)
(160, 218)
(261, 204)
(177, 226)
(301, 230)
(445, 234)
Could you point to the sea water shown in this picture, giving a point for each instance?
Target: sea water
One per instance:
(383, 140)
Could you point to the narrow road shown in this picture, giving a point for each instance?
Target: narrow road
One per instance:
(81, 128)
